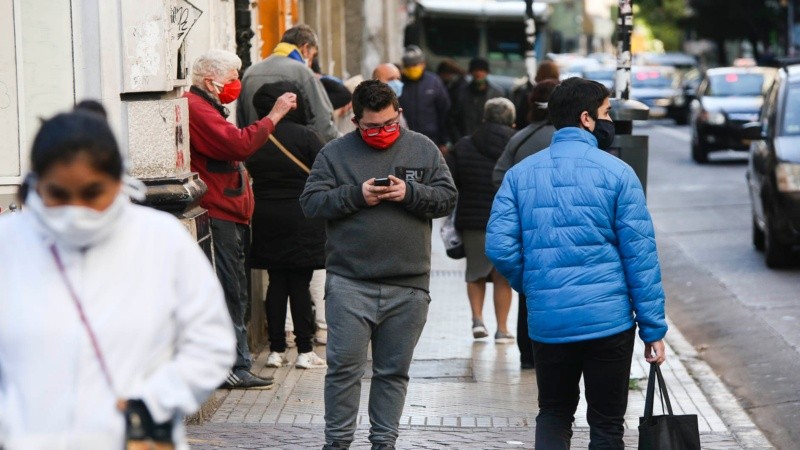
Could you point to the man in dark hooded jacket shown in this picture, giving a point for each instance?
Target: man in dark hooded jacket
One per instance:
(425, 100)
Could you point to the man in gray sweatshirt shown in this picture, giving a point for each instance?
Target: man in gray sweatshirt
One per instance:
(378, 188)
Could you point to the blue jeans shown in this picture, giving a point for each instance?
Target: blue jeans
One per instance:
(391, 318)
(231, 245)
(605, 364)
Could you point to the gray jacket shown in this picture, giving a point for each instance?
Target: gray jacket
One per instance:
(281, 68)
(390, 242)
(524, 143)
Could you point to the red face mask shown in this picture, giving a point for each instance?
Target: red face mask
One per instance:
(230, 91)
(383, 140)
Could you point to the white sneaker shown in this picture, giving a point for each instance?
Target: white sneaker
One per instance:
(276, 359)
(310, 360)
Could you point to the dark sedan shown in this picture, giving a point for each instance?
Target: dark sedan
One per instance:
(727, 98)
(658, 88)
(773, 173)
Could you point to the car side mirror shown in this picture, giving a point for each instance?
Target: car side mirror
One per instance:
(753, 131)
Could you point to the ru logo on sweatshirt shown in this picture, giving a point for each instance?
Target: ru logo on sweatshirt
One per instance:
(410, 174)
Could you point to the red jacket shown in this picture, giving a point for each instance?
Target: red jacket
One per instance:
(217, 150)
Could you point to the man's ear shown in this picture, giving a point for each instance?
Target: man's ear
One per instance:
(587, 121)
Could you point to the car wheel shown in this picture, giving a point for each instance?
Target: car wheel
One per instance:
(758, 236)
(699, 154)
(775, 254)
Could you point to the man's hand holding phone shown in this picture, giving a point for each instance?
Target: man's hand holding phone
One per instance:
(390, 188)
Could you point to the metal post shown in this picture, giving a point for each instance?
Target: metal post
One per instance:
(624, 31)
(790, 50)
(530, 34)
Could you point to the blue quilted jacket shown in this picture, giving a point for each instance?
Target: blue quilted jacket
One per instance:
(570, 228)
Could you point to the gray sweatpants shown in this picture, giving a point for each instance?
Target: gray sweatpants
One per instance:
(391, 318)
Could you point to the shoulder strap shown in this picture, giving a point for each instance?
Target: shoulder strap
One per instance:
(84, 320)
(289, 154)
(516, 149)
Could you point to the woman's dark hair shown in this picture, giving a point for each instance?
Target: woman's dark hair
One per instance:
(571, 98)
(540, 95)
(373, 95)
(63, 137)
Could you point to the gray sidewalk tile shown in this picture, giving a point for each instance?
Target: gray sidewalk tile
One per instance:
(464, 393)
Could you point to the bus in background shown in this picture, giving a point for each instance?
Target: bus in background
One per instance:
(463, 29)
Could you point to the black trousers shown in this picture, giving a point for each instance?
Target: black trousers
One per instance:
(524, 342)
(292, 284)
(605, 364)
(231, 246)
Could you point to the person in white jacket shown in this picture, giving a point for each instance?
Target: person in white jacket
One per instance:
(106, 307)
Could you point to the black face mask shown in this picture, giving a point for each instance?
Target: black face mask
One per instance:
(604, 132)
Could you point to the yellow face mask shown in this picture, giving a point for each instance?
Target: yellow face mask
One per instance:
(414, 73)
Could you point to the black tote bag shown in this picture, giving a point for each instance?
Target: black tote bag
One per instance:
(666, 432)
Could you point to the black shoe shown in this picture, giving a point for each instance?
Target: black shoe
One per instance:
(335, 446)
(243, 379)
(527, 365)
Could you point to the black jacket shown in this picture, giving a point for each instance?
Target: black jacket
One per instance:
(426, 105)
(282, 237)
(467, 112)
(472, 162)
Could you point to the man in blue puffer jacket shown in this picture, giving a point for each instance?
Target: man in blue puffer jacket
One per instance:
(570, 228)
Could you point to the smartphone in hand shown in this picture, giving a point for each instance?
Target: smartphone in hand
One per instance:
(382, 182)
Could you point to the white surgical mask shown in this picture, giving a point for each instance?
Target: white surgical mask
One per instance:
(397, 87)
(76, 226)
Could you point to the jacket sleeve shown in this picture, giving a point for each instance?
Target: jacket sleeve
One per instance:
(504, 162)
(222, 140)
(435, 199)
(442, 104)
(321, 109)
(205, 345)
(637, 248)
(504, 234)
(323, 198)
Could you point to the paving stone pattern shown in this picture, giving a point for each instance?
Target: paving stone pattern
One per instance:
(464, 394)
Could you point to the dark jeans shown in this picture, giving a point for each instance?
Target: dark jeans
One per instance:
(523, 337)
(294, 285)
(231, 245)
(606, 366)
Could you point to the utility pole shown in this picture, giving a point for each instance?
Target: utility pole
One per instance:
(624, 31)
(530, 34)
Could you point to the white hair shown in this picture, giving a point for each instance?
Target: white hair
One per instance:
(499, 110)
(214, 64)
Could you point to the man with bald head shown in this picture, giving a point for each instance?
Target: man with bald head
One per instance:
(389, 73)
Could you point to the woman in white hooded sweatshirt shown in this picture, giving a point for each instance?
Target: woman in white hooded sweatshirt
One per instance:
(108, 310)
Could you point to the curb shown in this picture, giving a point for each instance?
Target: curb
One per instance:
(746, 433)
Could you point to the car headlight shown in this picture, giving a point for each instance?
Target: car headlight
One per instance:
(788, 177)
(679, 100)
(713, 118)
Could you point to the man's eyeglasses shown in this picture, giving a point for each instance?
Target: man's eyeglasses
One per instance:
(389, 127)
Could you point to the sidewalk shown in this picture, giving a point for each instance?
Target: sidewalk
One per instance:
(464, 394)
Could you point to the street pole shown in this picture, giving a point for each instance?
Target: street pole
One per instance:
(530, 33)
(790, 51)
(624, 31)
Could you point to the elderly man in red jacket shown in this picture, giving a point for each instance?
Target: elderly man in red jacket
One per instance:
(217, 150)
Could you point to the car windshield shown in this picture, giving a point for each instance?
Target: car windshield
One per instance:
(791, 118)
(651, 78)
(736, 85)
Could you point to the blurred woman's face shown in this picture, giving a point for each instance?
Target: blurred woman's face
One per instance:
(77, 183)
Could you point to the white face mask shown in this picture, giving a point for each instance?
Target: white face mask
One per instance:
(76, 226)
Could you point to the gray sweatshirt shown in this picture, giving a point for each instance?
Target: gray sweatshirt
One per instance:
(282, 68)
(391, 241)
